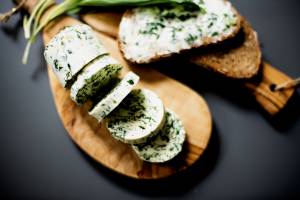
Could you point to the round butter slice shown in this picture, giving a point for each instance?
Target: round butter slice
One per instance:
(70, 50)
(94, 76)
(139, 117)
(115, 97)
(167, 144)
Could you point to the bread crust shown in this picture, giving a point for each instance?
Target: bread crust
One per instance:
(238, 58)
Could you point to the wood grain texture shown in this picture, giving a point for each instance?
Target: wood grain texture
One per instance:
(100, 21)
(94, 139)
(259, 86)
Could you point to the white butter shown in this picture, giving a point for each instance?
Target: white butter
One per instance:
(115, 97)
(70, 50)
(94, 77)
(167, 144)
(138, 118)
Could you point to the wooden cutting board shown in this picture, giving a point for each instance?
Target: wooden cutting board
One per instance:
(93, 138)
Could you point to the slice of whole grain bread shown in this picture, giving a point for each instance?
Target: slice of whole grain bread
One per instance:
(238, 57)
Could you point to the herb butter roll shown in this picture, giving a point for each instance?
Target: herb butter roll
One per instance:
(139, 117)
(110, 101)
(149, 33)
(167, 144)
(70, 50)
(95, 76)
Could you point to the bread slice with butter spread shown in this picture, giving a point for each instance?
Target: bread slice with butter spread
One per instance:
(147, 34)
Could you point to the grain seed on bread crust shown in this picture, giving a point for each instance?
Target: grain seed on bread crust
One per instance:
(239, 57)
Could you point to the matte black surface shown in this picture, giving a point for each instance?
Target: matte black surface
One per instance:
(250, 155)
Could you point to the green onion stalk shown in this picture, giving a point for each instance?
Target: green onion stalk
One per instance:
(32, 25)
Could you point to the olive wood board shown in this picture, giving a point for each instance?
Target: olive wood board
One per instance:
(107, 22)
(93, 137)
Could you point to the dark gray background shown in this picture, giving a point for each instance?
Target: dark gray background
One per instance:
(251, 155)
